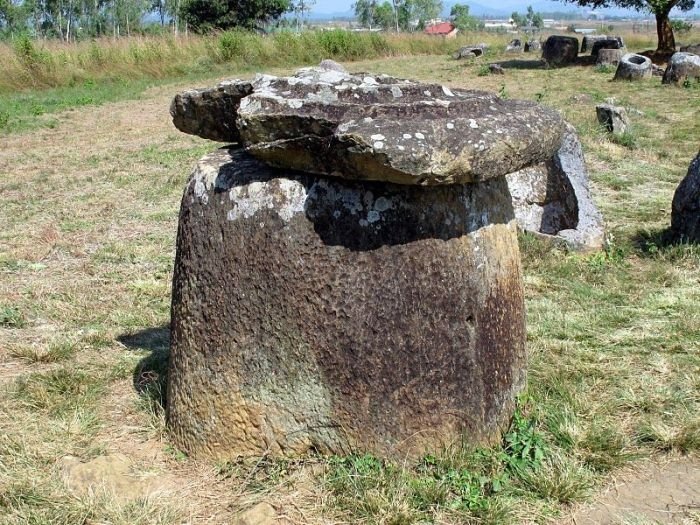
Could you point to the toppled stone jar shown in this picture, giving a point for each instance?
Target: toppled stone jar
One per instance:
(348, 278)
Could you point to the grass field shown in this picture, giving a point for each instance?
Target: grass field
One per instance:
(89, 200)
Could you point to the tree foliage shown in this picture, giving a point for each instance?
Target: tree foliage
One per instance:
(408, 15)
(459, 14)
(530, 19)
(207, 15)
(659, 8)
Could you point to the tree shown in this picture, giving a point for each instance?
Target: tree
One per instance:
(459, 14)
(530, 19)
(661, 10)
(364, 11)
(414, 14)
(384, 15)
(301, 9)
(207, 15)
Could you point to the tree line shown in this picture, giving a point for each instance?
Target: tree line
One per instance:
(78, 19)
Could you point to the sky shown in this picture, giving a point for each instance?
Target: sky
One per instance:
(340, 6)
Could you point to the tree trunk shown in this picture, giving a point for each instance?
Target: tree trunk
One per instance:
(667, 44)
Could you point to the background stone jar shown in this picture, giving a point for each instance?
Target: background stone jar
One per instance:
(317, 313)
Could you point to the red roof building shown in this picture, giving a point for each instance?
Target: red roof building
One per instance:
(446, 29)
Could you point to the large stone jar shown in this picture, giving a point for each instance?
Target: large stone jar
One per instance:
(372, 302)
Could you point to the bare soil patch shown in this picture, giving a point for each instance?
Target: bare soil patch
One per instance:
(667, 491)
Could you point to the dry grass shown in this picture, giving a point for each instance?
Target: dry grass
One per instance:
(87, 227)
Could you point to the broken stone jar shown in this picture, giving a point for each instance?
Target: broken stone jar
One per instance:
(365, 297)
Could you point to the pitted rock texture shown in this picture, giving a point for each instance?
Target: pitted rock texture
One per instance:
(609, 57)
(559, 50)
(532, 45)
(589, 40)
(607, 43)
(340, 316)
(210, 113)
(468, 52)
(633, 67)
(326, 121)
(382, 128)
(682, 67)
(613, 118)
(553, 199)
(685, 211)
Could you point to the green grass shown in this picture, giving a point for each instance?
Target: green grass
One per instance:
(86, 250)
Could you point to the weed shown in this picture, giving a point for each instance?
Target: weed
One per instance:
(56, 391)
(524, 447)
(605, 69)
(483, 70)
(628, 139)
(11, 317)
(56, 351)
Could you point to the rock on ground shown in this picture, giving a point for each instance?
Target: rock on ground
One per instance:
(609, 57)
(553, 199)
(314, 313)
(613, 118)
(111, 474)
(685, 210)
(261, 514)
(559, 51)
(682, 67)
(606, 43)
(633, 67)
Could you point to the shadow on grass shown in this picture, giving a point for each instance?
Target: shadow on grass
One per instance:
(150, 377)
(663, 242)
(521, 64)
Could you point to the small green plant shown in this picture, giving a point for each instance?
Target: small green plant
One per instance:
(523, 447)
(605, 69)
(681, 26)
(627, 139)
(483, 71)
(4, 119)
(11, 317)
(502, 92)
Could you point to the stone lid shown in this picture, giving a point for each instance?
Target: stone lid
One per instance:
(360, 126)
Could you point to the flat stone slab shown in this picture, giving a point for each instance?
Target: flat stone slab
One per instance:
(330, 122)
(210, 113)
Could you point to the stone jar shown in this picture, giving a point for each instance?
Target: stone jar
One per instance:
(314, 313)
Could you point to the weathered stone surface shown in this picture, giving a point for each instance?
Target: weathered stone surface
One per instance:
(607, 43)
(210, 113)
(468, 52)
(589, 40)
(657, 71)
(332, 65)
(613, 118)
(336, 315)
(553, 199)
(381, 128)
(609, 57)
(532, 45)
(515, 46)
(261, 514)
(685, 211)
(111, 474)
(496, 69)
(682, 67)
(692, 48)
(633, 67)
(560, 50)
